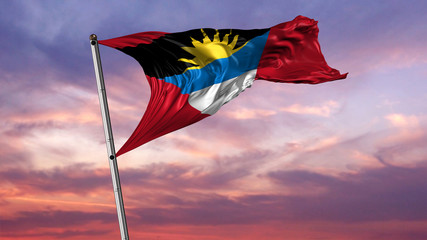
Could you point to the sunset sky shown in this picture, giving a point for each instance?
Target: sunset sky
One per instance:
(339, 160)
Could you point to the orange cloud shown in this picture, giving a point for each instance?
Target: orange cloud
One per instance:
(245, 113)
(325, 110)
(400, 120)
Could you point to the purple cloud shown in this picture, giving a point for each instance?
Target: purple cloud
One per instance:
(46, 223)
(383, 194)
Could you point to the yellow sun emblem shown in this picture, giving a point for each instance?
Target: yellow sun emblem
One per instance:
(208, 50)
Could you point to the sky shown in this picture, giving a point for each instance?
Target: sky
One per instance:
(339, 160)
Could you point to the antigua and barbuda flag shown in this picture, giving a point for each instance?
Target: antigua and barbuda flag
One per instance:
(193, 73)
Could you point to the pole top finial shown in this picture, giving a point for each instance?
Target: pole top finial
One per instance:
(93, 37)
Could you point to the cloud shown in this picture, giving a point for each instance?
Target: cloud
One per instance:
(223, 173)
(249, 113)
(382, 194)
(223, 132)
(47, 107)
(56, 234)
(48, 222)
(12, 154)
(324, 143)
(187, 197)
(325, 110)
(334, 152)
(400, 120)
(83, 179)
(75, 179)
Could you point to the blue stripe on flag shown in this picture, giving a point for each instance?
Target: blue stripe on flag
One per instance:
(223, 69)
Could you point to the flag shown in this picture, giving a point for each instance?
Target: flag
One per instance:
(193, 73)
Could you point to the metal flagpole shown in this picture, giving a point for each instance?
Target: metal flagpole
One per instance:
(109, 137)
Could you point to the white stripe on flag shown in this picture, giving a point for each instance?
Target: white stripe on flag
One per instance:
(210, 99)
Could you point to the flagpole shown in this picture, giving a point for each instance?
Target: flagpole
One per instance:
(109, 137)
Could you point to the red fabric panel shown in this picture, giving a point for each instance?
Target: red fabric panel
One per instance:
(168, 110)
(292, 54)
(132, 40)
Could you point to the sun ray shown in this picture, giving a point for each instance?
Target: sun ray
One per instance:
(207, 50)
